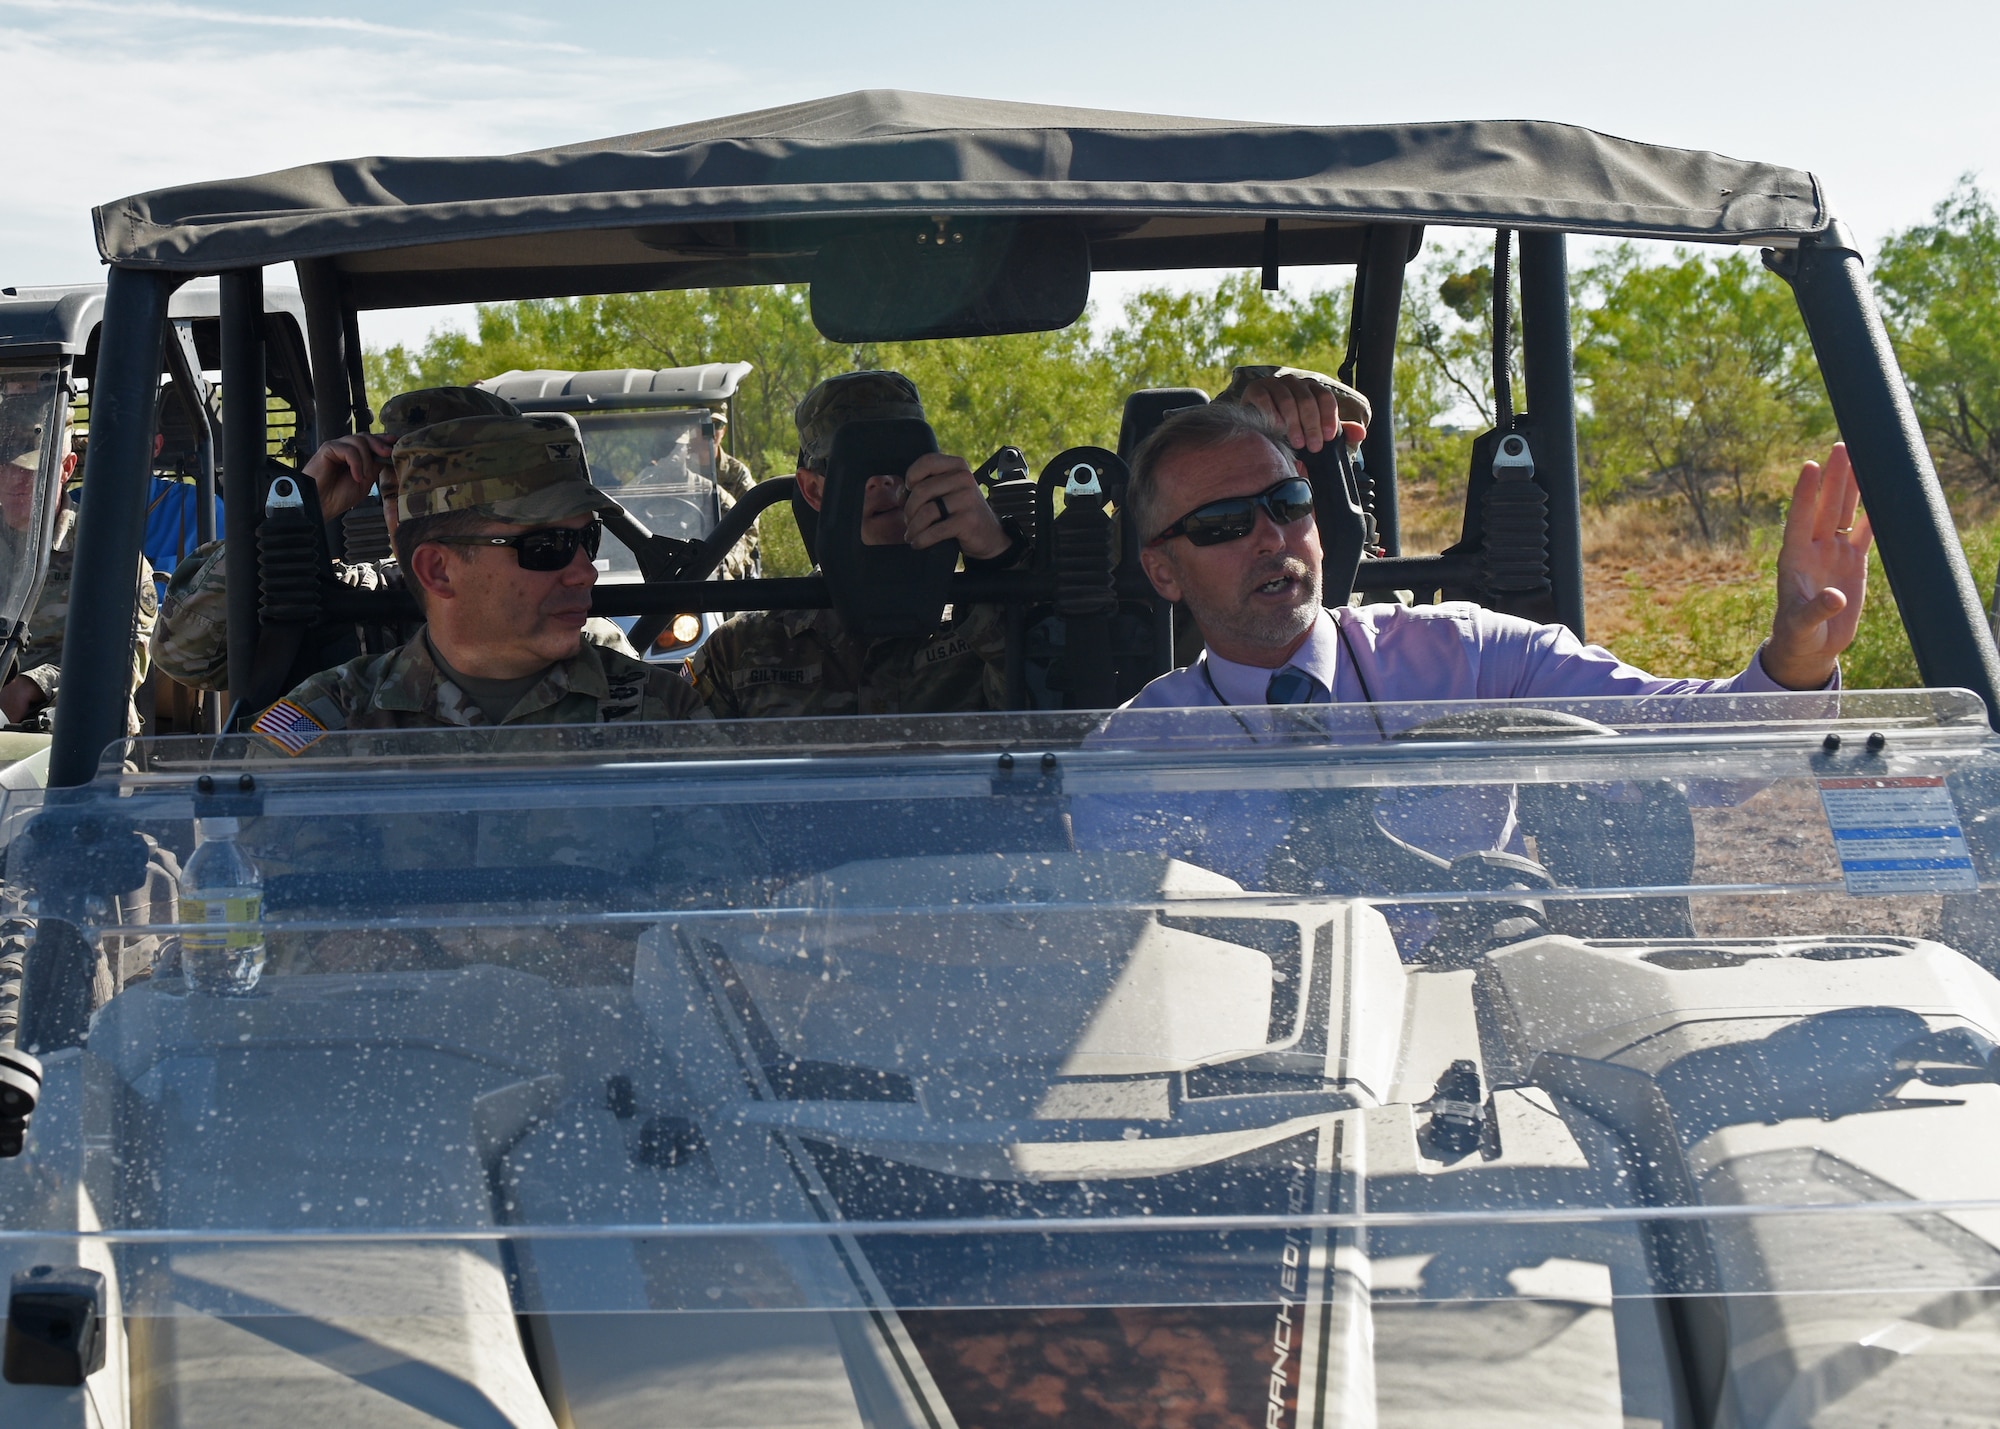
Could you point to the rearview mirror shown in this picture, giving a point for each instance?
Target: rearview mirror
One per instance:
(899, 279)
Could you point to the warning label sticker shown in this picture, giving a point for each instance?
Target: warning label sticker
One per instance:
(1898, 836)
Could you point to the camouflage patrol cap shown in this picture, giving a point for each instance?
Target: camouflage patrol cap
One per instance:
(851, 397)
(525, 470)
(407, 411)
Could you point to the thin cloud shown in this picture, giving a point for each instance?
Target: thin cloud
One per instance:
(183, 102)
(346, 24)
(165, 10)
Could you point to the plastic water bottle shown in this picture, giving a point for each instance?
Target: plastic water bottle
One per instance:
(221, 884)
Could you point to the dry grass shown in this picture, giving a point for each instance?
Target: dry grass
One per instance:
(1635, 554)
(1641, 553)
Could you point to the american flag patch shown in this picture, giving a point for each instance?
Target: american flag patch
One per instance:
(289, 727)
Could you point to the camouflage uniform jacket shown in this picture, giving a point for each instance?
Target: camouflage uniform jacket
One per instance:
(404, 689)
(795, 663)
(733, 475)
(741, 562)
(191, 642)
(40, 659)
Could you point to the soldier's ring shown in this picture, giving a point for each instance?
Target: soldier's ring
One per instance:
(1842, 530)
(943, 510)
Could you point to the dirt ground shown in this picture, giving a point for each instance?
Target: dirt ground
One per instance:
(1779, 835)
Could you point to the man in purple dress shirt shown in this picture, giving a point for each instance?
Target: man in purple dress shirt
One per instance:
(1223, 533)
(1257, 596)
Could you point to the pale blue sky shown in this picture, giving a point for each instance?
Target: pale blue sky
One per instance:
(138, 94)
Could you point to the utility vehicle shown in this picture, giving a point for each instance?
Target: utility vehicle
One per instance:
(1618, 1062)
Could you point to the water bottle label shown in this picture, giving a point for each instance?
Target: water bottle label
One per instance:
(244, 909)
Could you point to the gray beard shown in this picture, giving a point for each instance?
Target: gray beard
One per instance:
(1241, 625)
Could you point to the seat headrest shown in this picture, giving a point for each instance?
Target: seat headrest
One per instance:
(1145, 410)
(880, 591)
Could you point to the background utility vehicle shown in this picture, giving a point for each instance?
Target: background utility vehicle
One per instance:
(648, 437)
(48, 360)
(1046, 1066)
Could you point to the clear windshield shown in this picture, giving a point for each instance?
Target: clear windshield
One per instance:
(30, 430)
(661, 466)
(1538, 1053)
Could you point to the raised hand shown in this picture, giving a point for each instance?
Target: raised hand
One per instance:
(1822, 575)
(1306, 408)
(346, 468)
(944, 502)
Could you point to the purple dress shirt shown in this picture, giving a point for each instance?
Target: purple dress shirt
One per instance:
(1381, 654)
(1456, 651)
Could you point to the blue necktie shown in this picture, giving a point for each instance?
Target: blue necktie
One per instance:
(1291, 686)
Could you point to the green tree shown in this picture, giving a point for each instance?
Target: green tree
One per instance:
(1940, 288)
(1192, 338)
(1696, 377)
(1444, 364)
(768, 327)
(1447, 329)
(1043, 392)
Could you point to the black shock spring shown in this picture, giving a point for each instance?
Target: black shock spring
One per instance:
(1084, 559)
(364, 535)
(1516, 555)
(1018, 501)
(288, 570)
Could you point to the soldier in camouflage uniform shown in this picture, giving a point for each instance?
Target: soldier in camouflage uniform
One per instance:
(481, 501)
(191, 642)
(779, 664)
(732, 475)
(30, 695)
(733, 480)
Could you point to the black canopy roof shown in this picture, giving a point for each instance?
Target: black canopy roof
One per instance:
(750, 198)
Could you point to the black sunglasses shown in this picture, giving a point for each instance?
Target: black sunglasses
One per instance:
(1234, 517)
(545, 548)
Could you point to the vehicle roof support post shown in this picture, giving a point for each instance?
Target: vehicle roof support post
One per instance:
(1548, 362)
(1387, 251)
(357, 370)
(195, 396)
(1928, 576)
(243, 453)
(326, 342)
(97, 645)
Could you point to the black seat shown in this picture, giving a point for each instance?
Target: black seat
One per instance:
(1146, 409)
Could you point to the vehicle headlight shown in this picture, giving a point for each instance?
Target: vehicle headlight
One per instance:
(685, 630)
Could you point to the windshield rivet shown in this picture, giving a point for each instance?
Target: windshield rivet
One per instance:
(1877, 742)
(1831, 744)
(1048, 764)
(1006, 764)
(205, 784)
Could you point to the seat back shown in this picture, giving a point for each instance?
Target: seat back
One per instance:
(1146, 409)
(880, 591)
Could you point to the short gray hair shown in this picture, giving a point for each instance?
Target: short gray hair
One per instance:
(1192, 429)
(438, 526)
(414, 531)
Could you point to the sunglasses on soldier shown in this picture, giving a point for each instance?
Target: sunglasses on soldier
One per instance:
(1234, 517)
(544, 548)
